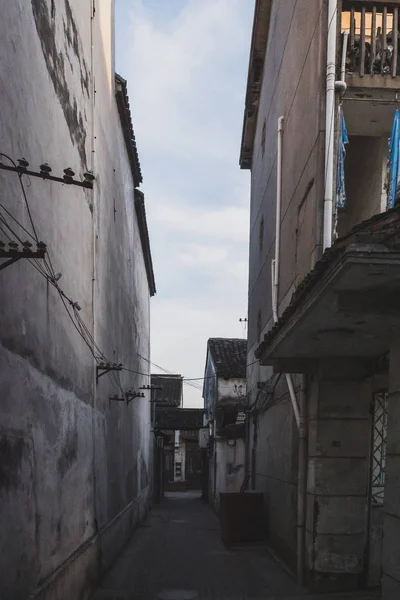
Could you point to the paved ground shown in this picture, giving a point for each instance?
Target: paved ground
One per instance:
(178, 549)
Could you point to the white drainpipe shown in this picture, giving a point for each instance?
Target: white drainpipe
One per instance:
(299, 411)
(330, 123)
(275, 262)
(344, 55)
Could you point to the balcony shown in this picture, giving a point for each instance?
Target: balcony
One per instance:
(372, 57)
(347, 308)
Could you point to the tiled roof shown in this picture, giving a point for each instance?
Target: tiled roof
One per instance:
(381, 229)
(179, 418)
(127, 126)
(230, 357)
(171, 393)
(145, 240)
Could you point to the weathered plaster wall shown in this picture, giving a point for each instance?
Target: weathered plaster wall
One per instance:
(293, 87)
(230, 471)
(338, 477)
(73, 466)
(391, 531)
(366, 156)
(234, 388)
(273, 466)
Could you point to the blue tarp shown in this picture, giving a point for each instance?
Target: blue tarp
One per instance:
(394, 163)
(340, 184)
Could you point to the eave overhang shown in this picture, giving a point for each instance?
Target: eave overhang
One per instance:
(351, 310)
(259, 42)
(145, 240)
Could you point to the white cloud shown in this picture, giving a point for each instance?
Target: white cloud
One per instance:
(226, 223)
(186, 80)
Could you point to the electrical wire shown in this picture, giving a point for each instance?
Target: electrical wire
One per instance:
(48, 273)
(17, 222)
(23, 193)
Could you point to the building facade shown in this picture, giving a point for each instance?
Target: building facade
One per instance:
(224, 394)
(178, 464)
(322, 347)
(74, 429)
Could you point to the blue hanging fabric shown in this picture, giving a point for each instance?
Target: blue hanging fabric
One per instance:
(393, 168)
(340, 183)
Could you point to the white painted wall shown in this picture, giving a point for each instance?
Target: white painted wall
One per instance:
(231, 388)
(75, 462)
(230, 473)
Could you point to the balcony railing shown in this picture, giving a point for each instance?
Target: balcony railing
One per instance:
(373, 38)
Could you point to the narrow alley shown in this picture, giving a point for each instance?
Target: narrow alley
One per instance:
(177, 554)
(199, 315)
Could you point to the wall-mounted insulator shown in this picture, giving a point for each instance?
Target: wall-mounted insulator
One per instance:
(23, 163)
(45, 169)
(88, 176)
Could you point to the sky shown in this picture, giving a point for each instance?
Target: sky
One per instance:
(186, 65)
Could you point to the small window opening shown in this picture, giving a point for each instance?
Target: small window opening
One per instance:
(259, 325)
(261, 235)
(263, 134)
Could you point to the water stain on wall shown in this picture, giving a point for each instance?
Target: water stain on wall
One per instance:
(56, 59)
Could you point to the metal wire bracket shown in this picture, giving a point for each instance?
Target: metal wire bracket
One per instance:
(131, 395)
(14, 253)
(68, 176)
(103, 368)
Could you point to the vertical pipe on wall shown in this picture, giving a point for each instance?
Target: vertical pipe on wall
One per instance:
(299, 409)
(302, 485)
(344, 55)
(330, 123)
(276, 261)
(373, 40)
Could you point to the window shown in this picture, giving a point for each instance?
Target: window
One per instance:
(379, 446)
(263, 134)
(259, 324)
(261, 235)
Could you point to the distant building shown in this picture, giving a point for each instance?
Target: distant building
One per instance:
(224, 394)
(178, 462)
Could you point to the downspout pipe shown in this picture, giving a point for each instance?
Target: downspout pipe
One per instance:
(302, 484)
(276, 261)
(299, 409)
(330, 123)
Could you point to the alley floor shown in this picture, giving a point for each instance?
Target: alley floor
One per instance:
(177, 554)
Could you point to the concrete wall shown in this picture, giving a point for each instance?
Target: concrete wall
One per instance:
(293, 87)
(74, 466)
(365, 174)
(391, 546)
(230, 467)
(273, 466)
(338, 478)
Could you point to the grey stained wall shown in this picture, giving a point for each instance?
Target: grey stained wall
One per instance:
(293, 87)
(74, 467)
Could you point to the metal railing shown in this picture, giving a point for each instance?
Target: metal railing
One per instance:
(373, 41)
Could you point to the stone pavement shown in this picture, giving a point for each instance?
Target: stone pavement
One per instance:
(178, 554)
